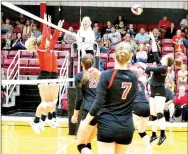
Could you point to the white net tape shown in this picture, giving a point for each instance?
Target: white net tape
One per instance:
(35, 82)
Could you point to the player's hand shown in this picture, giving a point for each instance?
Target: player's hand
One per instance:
(60, 23)
(151, 35)
(49, 18)
(74, 119)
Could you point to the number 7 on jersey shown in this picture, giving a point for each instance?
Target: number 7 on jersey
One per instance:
(127, 86)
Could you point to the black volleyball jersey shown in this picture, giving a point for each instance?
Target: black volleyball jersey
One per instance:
(86, 93)
(115, 93)
(140, 94)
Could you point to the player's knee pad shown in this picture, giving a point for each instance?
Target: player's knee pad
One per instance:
(153, 118)
(160, 115)
(81, 146)
(44, 104)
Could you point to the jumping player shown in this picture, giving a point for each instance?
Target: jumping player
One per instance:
(114, 102)
(86, 83)
(48, 67)
(158, 94)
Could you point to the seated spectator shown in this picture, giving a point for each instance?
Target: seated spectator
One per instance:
(157, 37)
(7, 42)
(141, 55)
(133, 45)
(185, 42)
(97, 34)
(19, 43)
(122, 29)
(27, 29)
(182, 75)
(142, 37)
(69, 39)
(107, 29)
(170, 32)
(95, 24)
(170, 78)
(114, 37)
(169, 106)
(181, 104)
(60, 38)
(104, 44)
(131, 30)
(118, 20)
(6, 27)
(19, 25)
(36, 33)
(184, 22)
(21, 19)
(178, 41)
(163, 25)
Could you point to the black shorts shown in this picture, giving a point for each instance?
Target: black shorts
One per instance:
(141, 109)
(157, 91)
(116, 130)
(47, 75)
(83, 116)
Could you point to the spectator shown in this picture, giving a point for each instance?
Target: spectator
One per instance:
(170, 78)
(142, 37)
(27, 29)
(133, 45)
(19, 25)
(178, 41)
(6, 27)
(95, 24)
(107, 29)
(122, 29)
(169, 106)
(118, 20)
(131, 30)
(141, 55)
(19, 43)
(184, 22)
(185, 41)
(60, 38)
(36, 33)
(21, 19)
(170, 32)
(97, 34)
(182, 75)
(69, 39)
(181, 104)
(114, 37)
(157, 37)
(104, 44)
(7, 42)
(163, 25)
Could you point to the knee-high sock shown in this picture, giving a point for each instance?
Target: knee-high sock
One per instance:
(162, 123)
(147, 142)
(154, 125)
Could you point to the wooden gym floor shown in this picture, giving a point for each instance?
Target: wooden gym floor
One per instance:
(19, 138)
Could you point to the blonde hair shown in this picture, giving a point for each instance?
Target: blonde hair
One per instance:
(31, 44)
(82, 23)
(122, 53)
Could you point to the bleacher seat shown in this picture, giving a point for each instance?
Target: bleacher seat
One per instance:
(58, 47)
(66, 47)
(12, 54)
(111, 59)
(7, 62)
(75, 25)
(112, 49)
(35, 55)
(33, 71)
(151, 27)
(100, 25)
(61, 55)
(167, 43)
(60, 63)
(23, 63)
(142, 26)
(110, 65)
(4, 53)
(104, 56)
(66, 25)
(166, 50)
(26, 54)
(65, 102)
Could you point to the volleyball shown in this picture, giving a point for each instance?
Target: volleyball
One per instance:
(137, 9)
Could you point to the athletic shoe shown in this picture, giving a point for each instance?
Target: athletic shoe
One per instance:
(171, 120)
(35, 127)
(161, 140)
(53, 123)
(41, 125)
(153, 138)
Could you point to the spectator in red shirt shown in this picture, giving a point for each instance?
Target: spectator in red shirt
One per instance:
(163, 25)
(178, 43)
(181, 102)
